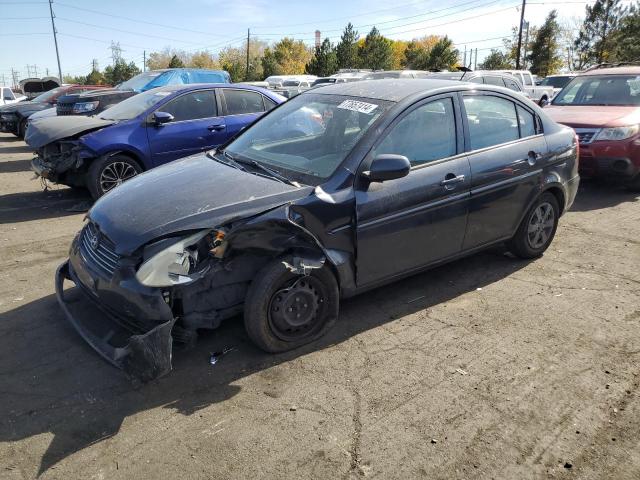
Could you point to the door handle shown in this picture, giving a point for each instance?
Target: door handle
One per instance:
(451, 179)
(216, 127)
(533, 157)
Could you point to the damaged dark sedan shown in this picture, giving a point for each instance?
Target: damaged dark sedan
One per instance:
(279, 224)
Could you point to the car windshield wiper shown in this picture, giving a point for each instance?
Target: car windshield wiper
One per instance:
(229, 160)
(269, 171)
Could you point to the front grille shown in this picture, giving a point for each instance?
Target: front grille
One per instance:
(98, 251)
(64, 108)
(585, 135)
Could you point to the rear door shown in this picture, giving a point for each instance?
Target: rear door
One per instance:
(241, 107)
(405, 224)
(195, 127)
(506, 152)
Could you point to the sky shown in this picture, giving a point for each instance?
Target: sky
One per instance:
(87, 27)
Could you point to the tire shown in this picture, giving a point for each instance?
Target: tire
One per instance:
(274, 297)
(22, 128)
(532, 244)
(106, 173)
(543, 101)
(634, 185)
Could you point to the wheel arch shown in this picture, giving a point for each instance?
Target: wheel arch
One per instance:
(126, 153)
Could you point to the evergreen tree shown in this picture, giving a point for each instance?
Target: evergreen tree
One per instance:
(287, 57)
(120, 72)
(416, 56)
(544, 56)
(376, 52)
(324, 61)
(347, 49)
(496, 60)
(595, 42)
(442, 56)
(627, 37)
(176, 62)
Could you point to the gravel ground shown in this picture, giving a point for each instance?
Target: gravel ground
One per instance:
(485, 368)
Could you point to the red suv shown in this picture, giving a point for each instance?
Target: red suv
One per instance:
(603, 106)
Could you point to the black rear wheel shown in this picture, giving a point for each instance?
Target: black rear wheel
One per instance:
(284, 310)
(537, 229)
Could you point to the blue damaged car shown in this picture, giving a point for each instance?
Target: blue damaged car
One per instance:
(142, 132)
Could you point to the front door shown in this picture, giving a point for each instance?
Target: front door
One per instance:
(195, 127)
(241, 107)
(417, 220)
(506, 154)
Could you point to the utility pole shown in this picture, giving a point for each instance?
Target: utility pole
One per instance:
(28, 71)
(47, 70)
(144, 60)
(475, 62)
(524, 3)
(248, 40)
(465, 56)
(14, 75)
(55, 39)
(525, 46)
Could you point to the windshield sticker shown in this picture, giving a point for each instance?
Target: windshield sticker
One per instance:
(634, 84)
(356, 106)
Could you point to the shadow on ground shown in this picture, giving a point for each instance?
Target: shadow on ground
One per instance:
(596, 195)
(28, 206)
(53, 382)
(17, 149)
(14, 166)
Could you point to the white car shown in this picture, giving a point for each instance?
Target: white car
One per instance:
(541, 94)
(8, 96)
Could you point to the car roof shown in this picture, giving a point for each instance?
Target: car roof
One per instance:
(391, 89)
(198, 86)
(630, 70)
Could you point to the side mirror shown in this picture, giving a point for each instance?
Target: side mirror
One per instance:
(160, 118)
(387, 167)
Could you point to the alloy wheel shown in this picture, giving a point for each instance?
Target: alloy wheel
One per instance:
(114, 174)
(540, 225)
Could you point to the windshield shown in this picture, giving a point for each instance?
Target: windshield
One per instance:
(140, 81)
(290, 83)
(47, 96)
(608, 90)
(308, 137)
(134, 106)
(555, 82)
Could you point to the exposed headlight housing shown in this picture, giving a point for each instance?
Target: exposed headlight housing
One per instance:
(617, 133)
(84, 107)
(174, 265)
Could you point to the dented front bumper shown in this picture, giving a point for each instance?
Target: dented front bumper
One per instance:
(143, 356)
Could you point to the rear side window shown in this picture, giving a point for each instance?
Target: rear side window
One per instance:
(240, 102)
(527, 122)
(477, 80)
(490, 80)
(512, 84)
(492, 120)
(269, 104)
(192, 106)
(527, 79)
(426, 134)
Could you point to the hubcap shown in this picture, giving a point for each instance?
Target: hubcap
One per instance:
(114, 174)
(294, 311)
(540, 225)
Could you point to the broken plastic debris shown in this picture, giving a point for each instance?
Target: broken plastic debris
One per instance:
(216, 356)
(461, 371)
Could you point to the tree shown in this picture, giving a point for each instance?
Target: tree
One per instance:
(416, 55)
(234, 61)
(287, 57)
(95, 78)
(627, 37)
(595, 42)
(511, 45)
(496, 60)
(442, 56)
(375, 52)
(79, 80)
(347, 49)
(176, 62)
(398, 49)
(120, 72)
(544, 57)
(324, 61)
(203, 60)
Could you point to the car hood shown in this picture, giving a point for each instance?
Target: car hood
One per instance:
(50, 129)
(24, 107)
(193, 193)
(593, 116)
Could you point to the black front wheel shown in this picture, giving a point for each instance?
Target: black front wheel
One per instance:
(106, 173)
(537, 229)
(284, 310)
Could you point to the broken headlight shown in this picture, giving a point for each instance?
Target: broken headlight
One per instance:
(173, 265)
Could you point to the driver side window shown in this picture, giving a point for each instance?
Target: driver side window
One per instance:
(192, 106)
(426, 134)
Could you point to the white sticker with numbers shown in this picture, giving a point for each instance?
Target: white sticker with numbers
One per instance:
(356, 106)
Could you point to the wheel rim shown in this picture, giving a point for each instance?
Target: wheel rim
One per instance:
(296, 310)
(540, 225)
(114, 174)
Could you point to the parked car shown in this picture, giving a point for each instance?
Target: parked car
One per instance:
(9, 97)
(276, 81)
(540, 94)
(395, 74)
(142, 132)
(404, 175)
(291, 88)
(32, 87)
(484, 77)
(603, 107)
(558, 81)
(13, 118)
(92, 103)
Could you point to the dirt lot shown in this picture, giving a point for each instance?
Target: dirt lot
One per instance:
(485, 368)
